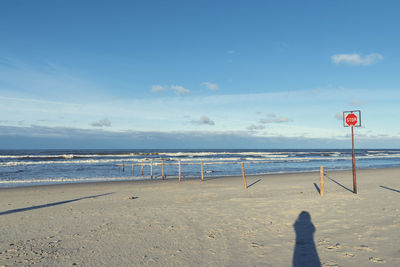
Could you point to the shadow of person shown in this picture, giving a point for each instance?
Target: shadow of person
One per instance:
(305, 252)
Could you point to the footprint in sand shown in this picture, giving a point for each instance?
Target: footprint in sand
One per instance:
(211, 235)
(336, 246)
(363, 248)
(255, 245)
(322, 242)
(330, 264)
(377, 260)
(349, 255)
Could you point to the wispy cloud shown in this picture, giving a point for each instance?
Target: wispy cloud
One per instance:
(255, 127)
(204, 120)
(159, 88)
(339, 116)
(329, 87)
(273, 118)
(231, 52)
(66, 137)
(101, 123)
(46, 80)
(179, 90)
(234, 112)
(357, 103)
(357, 59)
(211, 86)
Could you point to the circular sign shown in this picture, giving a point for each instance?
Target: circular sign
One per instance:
(351, 119)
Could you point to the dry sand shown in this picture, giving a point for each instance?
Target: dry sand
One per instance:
(280, 220)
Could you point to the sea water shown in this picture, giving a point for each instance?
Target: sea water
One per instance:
(38, 167)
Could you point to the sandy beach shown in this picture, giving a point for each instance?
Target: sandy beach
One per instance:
(279, 220)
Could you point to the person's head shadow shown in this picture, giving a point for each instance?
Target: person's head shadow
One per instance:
(305, 252)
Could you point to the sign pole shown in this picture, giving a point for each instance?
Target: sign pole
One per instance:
(352, 119)
(354, 162)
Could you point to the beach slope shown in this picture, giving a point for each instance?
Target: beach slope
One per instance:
(279, 220)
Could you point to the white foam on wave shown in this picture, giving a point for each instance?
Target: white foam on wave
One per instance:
(186, 160)
(72, 156)
(88, 161)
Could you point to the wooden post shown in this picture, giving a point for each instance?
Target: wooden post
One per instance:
(133, 170)
(119, 167)
(151, 169)
(142, 167)
(123, 167)
(202, 171)
(162, 172)
(244, 175)
(322, 189)
(180, 177)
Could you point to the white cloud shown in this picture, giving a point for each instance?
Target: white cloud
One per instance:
(204, 120)
(356, 59)
(210, 86)
(101, 123)
(180, 90)
(159, 88)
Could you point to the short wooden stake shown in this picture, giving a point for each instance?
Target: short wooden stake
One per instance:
(119, 167)
(202, 171)
(142, 167)
(322, 189)
(244, 175)
(151, 169)
(162, 171)
(133, 170)
(180, 177)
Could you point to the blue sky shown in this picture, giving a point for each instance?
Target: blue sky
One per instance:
(198, 74)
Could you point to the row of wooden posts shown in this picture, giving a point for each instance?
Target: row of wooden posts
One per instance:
(322, 174)
(122, 165)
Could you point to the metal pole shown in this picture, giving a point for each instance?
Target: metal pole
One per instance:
(354, 162)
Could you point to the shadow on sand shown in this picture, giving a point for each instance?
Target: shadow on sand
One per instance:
(388, 188)
(317, 187)
(50, 204)
(253, 183)
(339, 184)
(305, 252)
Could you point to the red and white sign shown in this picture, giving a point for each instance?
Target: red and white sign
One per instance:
(351, 119)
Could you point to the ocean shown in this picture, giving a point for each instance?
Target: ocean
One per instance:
(42, 167)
